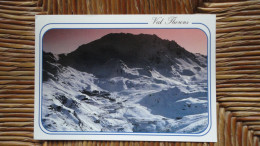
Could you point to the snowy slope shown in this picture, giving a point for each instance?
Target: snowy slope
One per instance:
(152, 92)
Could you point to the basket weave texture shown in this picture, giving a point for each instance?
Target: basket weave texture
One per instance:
(238, 64)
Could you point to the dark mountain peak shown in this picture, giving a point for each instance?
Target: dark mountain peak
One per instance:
(130, 35)
(135, 37)
(126, 44)
(130, 48)
(48, 56)
(50, 66)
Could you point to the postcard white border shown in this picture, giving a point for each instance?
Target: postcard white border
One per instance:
(206, 23)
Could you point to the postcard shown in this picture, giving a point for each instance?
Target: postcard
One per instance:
(125, 77)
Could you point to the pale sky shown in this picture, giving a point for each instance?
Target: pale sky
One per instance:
(60, 41)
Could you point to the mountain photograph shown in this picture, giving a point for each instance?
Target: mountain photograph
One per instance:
(123, 81)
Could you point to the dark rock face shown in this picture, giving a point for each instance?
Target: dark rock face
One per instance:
(96, 93)
(49, 65)
(131, 49)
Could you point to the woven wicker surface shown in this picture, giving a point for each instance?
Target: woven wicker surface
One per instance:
(238, 64)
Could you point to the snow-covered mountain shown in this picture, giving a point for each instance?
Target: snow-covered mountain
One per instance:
(125, 83)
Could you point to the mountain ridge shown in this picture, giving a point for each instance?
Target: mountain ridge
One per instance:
(129, 48)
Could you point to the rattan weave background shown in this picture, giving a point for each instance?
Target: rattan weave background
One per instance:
(238, 64)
